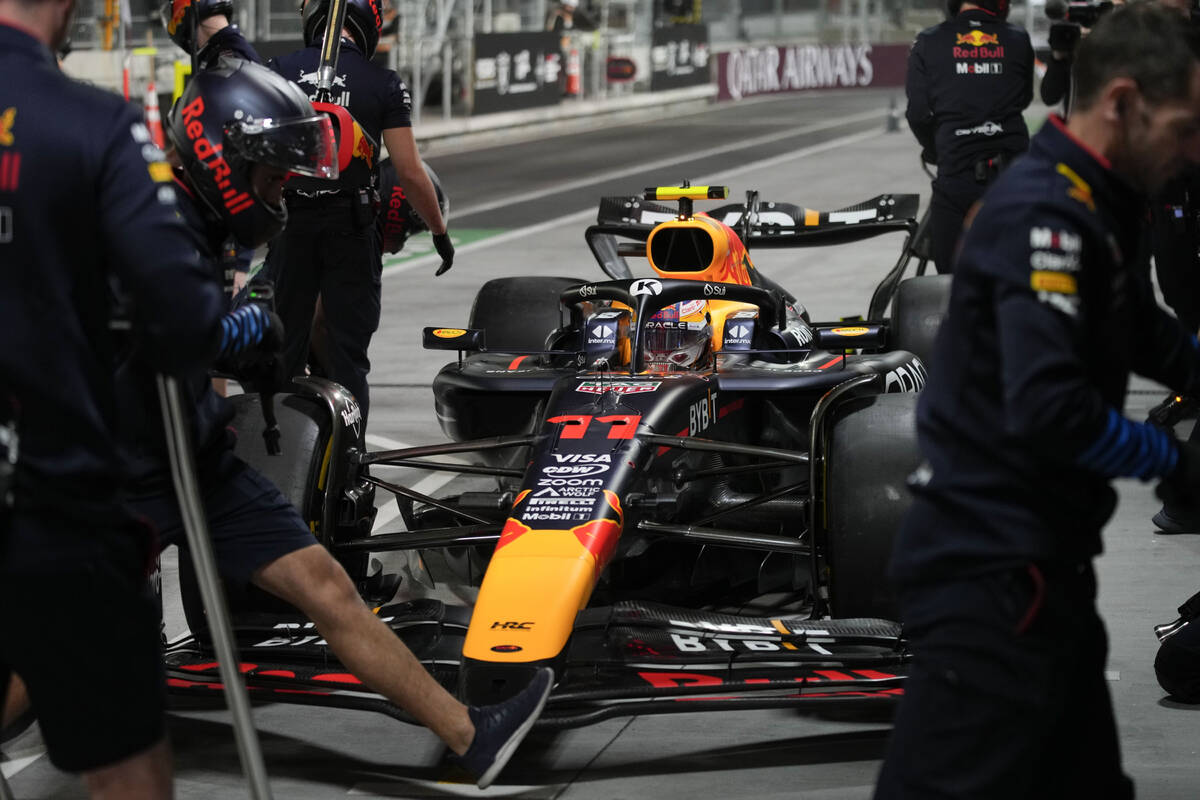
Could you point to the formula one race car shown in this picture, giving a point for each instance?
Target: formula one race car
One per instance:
(658, 454)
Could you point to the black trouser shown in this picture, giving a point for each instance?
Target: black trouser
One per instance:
(1006, 697)
(953, 196)
(325, 251)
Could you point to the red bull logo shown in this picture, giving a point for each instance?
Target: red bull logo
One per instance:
(210, 156)
(374, 6)
(976, 38)
(362, 146)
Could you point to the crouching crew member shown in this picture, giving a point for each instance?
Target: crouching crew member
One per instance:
(969, 79)
(269, 130)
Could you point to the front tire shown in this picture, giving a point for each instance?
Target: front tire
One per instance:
(519, 313)
(872, 451)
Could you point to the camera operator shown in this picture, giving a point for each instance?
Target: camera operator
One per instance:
(1072, 22)
(969, 80)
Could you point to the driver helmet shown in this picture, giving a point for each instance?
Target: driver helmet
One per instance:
(231, 119)
(679, 336)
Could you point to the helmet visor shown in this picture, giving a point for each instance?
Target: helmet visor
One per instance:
(303, 146)
(675, 343)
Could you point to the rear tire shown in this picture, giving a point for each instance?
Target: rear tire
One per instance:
(519, 313)
(872, 451)
(917, 313)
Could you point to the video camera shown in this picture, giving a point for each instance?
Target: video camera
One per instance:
(1071, 17)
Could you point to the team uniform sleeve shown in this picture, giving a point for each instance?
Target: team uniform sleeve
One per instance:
(397, 104)
(1166, 351)
(919, 111)
(177, 300)
(1049, 402)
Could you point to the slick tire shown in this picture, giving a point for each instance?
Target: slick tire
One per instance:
(917, 313)
(304, 427)
(872, 451)
(519, 313)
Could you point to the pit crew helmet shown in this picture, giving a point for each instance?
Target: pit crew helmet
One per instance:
(180, 18)
(998, 8)
(399, 219)
(235, 116)
(364, 20)
(678, 337)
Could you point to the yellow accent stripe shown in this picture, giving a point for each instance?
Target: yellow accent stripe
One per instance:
(1047, 281)
(1081, 191)
(811, 217)
(325, 465)
(779, 626)
(691, 192)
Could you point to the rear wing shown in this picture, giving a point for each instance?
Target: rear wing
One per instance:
(624, 223)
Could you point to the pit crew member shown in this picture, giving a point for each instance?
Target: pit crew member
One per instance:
(331, 248)
(968, 81)
(1022, 430)
(269, 130)
(85, 197)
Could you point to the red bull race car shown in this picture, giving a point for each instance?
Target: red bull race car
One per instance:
(678, 490)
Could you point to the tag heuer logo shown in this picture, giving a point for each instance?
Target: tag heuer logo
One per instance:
(619, 387)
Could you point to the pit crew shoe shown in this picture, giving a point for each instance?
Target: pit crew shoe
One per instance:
(500, 728)
(1168, 522)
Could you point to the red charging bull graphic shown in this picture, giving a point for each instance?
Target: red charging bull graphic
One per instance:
(978, 41)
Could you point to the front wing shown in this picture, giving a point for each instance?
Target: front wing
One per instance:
(626, 659)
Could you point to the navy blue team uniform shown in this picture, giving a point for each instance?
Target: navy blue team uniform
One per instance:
(1021, 429)
(331, 246)
(969, 80)
(250, 522)
(85, 198)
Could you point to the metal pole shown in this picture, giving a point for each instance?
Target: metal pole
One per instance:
(447, 65)
(418, 98)
(183, 475)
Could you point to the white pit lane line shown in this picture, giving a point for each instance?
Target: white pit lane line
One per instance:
(590, 213)
(15, 762)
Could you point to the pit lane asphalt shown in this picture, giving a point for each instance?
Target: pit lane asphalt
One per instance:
(314, 753)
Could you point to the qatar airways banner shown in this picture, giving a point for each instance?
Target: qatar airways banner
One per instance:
(751, 71)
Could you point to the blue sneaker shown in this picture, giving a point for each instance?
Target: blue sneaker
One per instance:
(500, 728)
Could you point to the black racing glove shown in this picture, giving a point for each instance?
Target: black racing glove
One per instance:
(1181, 489)
(441, 243)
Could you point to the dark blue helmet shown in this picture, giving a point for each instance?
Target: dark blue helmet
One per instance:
(180, 18)
(364, 20)
(234, 116)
